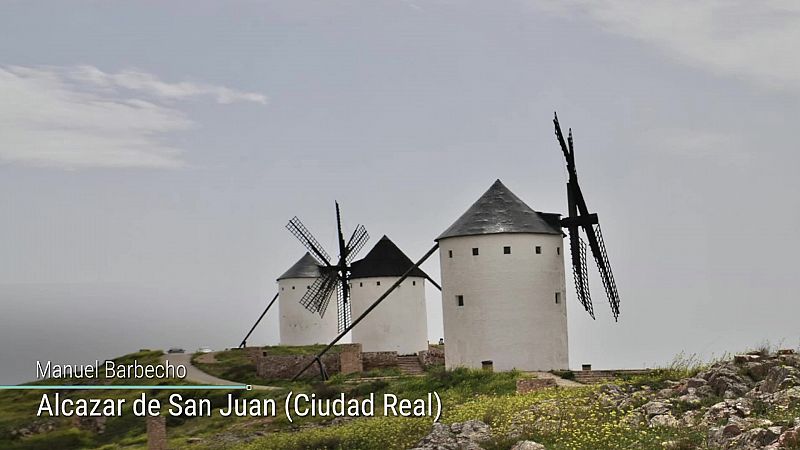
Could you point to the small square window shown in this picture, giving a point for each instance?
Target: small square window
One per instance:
(450, 253)
(538, 250)
(475, 252)
(377, 283)
(309, 287)
(360, 284)
(460, 300)
(558, 297)
(283, 289)
(506, 250)
(292, 287)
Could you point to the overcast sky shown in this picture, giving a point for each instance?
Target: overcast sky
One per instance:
(151, 154)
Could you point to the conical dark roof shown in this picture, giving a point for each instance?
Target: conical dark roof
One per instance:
(305, 267)
(498, 210)
(384, 260)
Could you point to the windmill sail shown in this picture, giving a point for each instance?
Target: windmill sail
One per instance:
(356, 242)
(318, 295)
(336, 274)
(343, 310)
(296, 227)
(601, 258)
(580, 272)
(580, 218)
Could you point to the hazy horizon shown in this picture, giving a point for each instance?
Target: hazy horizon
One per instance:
(150, 157)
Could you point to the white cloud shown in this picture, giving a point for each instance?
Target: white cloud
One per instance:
(755, 40)
(147, 83)
(81, 117)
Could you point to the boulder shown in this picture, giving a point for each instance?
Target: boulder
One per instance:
(728, 383)
(780, 378)
(691, 418)
(754, 439)
(695, 382)
(747, 423)
(790, 438)
(742, 359)
(690, 399)
(790, 360)
(724, 410)
(652, 409)
(758, 370)
(528, 445)
(719, 437)
(472, 430)
(704, 391)
(664, 420)
(666, 393)
(787, 398)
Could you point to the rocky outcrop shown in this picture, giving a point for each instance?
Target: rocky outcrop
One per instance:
(746, 388)
(36, 427)
(458, 436)
(728, 401)
(467, 435)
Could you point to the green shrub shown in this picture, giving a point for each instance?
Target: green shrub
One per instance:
(565, 374)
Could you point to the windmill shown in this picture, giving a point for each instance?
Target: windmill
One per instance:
(580, 217)
(335, 274)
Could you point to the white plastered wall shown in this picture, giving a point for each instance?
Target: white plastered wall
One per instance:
(299, 326)
(510, 315)
(399, 323)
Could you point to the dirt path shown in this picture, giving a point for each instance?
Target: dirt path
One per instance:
(559, 381)
(198, 376)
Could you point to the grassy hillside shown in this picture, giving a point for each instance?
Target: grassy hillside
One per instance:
(591, 417)
(18, 408)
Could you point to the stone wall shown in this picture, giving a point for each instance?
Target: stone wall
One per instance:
(434, 356)
(252, 352)
(350, 359)
(346, 360)
(379, 360)
(156, 433)
(603, 376)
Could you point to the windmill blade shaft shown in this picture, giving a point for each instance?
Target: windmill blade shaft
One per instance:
(433, 282)
(371, 307)
(342, 246)
(244, 341)
(560, 137)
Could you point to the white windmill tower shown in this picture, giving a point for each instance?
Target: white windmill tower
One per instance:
(503, 281)
(503, 286)
(400, 322)
(297, 325)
